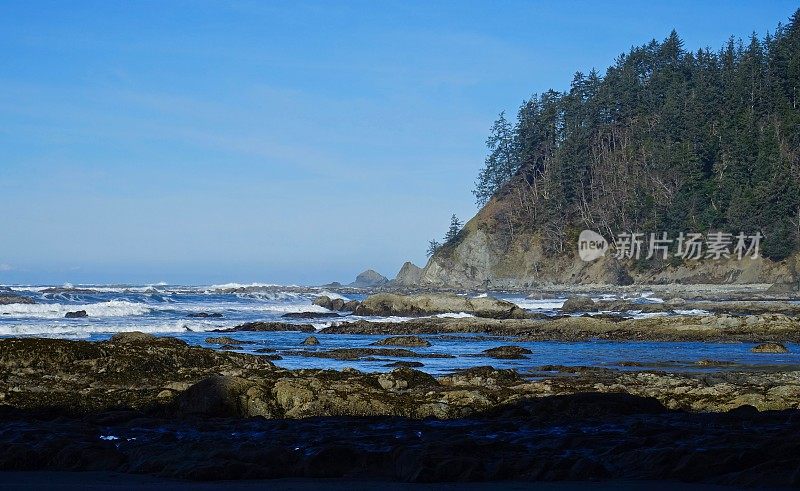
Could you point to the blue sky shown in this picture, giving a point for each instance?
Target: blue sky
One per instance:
(290, 142)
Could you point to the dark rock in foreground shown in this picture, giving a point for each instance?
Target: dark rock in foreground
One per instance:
(405, 378)
(579, 437)
(76, 314)
(143, 372)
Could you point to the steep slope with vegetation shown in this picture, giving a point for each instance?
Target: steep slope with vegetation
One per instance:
(666, 141)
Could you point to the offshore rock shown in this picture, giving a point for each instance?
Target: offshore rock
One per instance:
(369, 279)
(388, 304)
(11, 298)
(407, 341)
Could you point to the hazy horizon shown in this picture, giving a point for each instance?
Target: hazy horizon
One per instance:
(291, 143)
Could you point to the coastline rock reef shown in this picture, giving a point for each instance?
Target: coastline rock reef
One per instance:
(118, 405)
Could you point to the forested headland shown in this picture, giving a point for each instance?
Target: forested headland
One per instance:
(668, 139)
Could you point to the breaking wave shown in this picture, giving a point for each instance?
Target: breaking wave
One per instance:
(111, 308)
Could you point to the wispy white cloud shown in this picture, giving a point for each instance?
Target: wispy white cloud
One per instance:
(6, 267)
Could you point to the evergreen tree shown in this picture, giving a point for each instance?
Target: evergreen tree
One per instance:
(501, 163)
(455, 228)
(433, 246)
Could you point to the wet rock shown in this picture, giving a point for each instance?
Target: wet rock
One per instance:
(361, 353)
(226, 340)
(770, 348)
(128, 371)
(507, 352)
(714, 363)
(76, 314)
(335, 304)
(133, 337)
(407, 364)
(79, 377)
(268, 327)
(630, 364)
(578, 303)
(10, 298)
(204, 315)
(387, 304)
(408, 341)
(405, 378)
(323, 301)
(309, 315)
(483, 376)
(220, 396)
(311, 341)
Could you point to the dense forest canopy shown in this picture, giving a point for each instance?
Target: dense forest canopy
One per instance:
(667, 140)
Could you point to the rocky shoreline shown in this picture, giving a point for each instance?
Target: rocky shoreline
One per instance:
(717, 328)
(118, 405)
(166, 375)
(141, 404)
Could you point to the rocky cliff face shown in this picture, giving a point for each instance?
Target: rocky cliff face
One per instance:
(488, 254)
(409, 275)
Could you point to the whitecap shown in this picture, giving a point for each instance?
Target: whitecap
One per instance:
(532, 304)
(112, 308)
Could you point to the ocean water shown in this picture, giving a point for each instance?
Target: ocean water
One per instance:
(166, 310)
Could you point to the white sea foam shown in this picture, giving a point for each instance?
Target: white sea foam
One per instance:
(454, 315)
(692, 312)
(532, 304)
(333, 295)
(242, 286)
(69, 328)
(27, 288)
(112, 308)
(68, 288)
(255, 307)
(638, 314)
